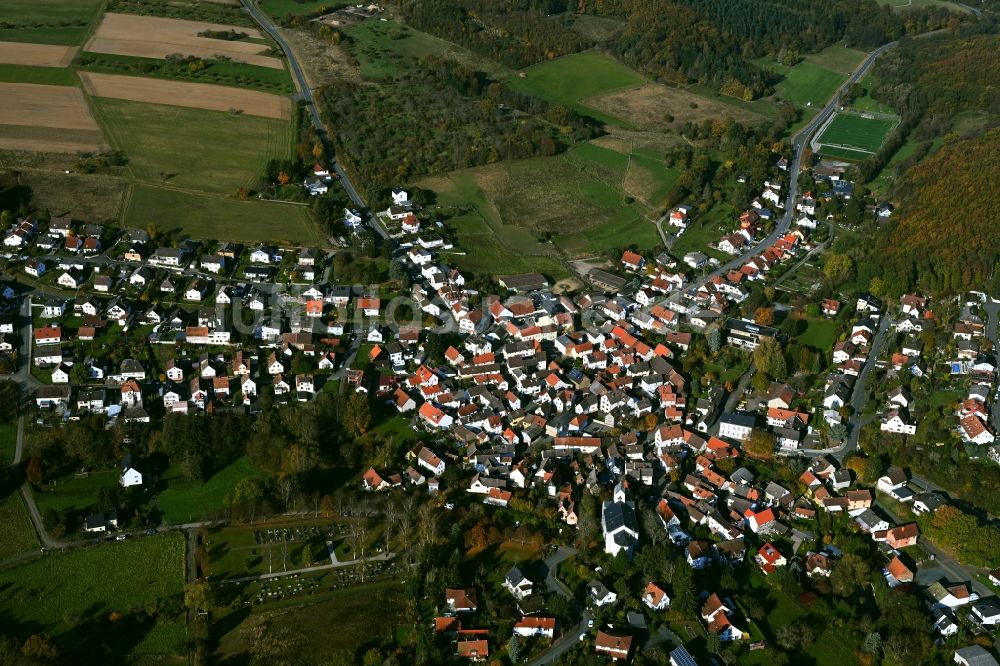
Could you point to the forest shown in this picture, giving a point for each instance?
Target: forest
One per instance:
(440, 118)
(704, 41)
(947, 91)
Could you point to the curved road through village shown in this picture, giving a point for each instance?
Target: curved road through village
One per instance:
(799, 143)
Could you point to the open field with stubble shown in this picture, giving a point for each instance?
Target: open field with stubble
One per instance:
(44, 117)
(41, 55)
(157, 37)
(192, 95)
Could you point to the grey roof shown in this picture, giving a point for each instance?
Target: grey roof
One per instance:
(736, 418)
(974, 655)
(618, 515)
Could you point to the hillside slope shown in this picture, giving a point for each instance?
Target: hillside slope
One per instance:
(946, 234)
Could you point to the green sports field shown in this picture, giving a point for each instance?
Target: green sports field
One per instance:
(855, 134)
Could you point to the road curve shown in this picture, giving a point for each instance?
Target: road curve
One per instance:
(306, 95)
(799, 143)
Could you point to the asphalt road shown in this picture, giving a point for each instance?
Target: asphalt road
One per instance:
(799, 143)
(306, 95)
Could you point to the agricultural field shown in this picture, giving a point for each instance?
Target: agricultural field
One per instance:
(205, 151)
(572, 79)
(233, 101)
(40, 55)
(86, 599)
(45, 117)
(17, 534)
(157, 37)
(63, 22)
(48, 76)
(198, 215)
(853, 136)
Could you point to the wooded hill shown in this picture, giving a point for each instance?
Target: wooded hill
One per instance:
(685, 41)
(945, 239)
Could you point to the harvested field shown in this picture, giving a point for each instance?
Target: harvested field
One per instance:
(50, 140)
(647, 106)
(156, 37)
(191, 95)
(44, 106)
(42, 55)
(46, 119)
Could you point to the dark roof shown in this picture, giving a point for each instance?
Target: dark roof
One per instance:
(619, 514)
(736, 418)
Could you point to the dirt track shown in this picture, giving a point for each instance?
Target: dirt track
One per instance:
(156, 37)
(192, 95)
(40, 55)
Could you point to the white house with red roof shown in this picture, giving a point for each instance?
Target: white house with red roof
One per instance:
(770, 558)
(434, 417)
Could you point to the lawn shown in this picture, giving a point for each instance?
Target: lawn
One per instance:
(234, 551)
(73, 493)
(573, 78)
(218, 217)
(207, 151)
(72, 597)
(866, 102)
(17, 534)
(49, 76)
(360, 613)
(806, 84)
(185, 501)
(8, 442)
(64, 22)
(821, 334)
(838, 58)
(855, 133)
(650, 179)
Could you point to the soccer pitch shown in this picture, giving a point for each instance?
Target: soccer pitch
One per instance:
(855, 134)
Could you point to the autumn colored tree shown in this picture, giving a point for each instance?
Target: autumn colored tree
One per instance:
(35, 471)
(759, 445)
(764, 316)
